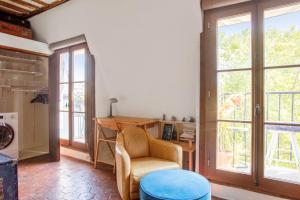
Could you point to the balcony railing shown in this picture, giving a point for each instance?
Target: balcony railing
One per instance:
(282, 128)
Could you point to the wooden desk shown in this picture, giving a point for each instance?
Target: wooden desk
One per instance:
(144, 123)
(121, 122)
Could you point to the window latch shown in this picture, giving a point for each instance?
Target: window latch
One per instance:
(257, 109)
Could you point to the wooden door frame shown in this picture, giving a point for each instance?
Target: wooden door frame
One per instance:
(277, 187)
(211, 99)
(53, 82)
(207, 116)
(89, 96)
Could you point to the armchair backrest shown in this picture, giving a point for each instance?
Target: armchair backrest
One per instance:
(136, 142)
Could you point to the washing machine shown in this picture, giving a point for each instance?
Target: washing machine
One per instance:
(9, 142)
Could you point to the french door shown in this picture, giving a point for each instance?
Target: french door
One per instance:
(251, 104)
(73, 96)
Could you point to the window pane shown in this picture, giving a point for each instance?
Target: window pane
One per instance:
(79, 94)
(64, 125)
(282, 153)
(234, 42)
(282, 36)
(282, 95)
(79, 65)
(64, 97)
(234, 147)
(234, 95)
(79, 127)
(64, 67)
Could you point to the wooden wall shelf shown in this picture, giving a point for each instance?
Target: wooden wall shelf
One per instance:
(21, 71)
(19, 59)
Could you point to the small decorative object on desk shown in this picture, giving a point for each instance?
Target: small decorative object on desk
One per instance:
(164, 117)
(168, 132)
(174, 118)
(192, 119)
(112, 100)
(183, 119)
(174, 133)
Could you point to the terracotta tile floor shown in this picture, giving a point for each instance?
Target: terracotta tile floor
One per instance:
(69, 179)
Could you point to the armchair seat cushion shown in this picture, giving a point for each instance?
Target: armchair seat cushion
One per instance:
(142, 166)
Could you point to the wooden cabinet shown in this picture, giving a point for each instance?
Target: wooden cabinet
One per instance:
(16, 30)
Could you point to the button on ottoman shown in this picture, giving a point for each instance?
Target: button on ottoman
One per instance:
(174, 185)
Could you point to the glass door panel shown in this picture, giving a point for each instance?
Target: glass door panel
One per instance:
(78, 97)
(79, 127)
(282, 93)
(234, 93)
(64, 125)
(79, 65)
(64, 67)
(64, 95)
(73, 96)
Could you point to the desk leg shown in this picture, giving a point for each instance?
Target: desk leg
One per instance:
(191, 158)
(191, 162)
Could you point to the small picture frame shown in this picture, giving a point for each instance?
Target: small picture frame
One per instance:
(168, 132)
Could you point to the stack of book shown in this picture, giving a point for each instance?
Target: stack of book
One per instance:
(188, 132)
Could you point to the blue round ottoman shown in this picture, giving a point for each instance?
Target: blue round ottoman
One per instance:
(174, 185)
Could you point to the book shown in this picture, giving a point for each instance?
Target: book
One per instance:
(187, 136)
(168, 132)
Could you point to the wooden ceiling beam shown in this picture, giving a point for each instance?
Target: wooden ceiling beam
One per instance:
(41, 2)
(26, 4)
(52, 5)
(27, 9)
(9, 11)
(14, 8)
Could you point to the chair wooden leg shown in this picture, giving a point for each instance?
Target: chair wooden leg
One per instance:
(96, 154)
(95, 143)
(114, 170)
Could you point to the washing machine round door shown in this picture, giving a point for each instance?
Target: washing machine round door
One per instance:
(6, 135)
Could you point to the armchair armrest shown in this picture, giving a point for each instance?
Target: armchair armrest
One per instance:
(123, 171)
(165, 150)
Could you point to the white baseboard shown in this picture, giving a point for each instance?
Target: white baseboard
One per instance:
(231, 193)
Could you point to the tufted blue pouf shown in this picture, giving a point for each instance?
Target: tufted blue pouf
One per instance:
(174, 185)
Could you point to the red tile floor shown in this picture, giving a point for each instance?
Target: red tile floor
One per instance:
(69, 179)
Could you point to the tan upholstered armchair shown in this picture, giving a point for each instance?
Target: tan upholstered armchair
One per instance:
(138, 153)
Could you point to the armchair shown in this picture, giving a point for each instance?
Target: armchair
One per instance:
(138, 153)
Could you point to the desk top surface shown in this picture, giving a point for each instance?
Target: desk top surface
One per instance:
(133, 120)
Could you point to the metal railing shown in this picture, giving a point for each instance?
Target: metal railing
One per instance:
(276, 103)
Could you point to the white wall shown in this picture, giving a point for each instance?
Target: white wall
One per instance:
(147, 52)
(147, 55)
